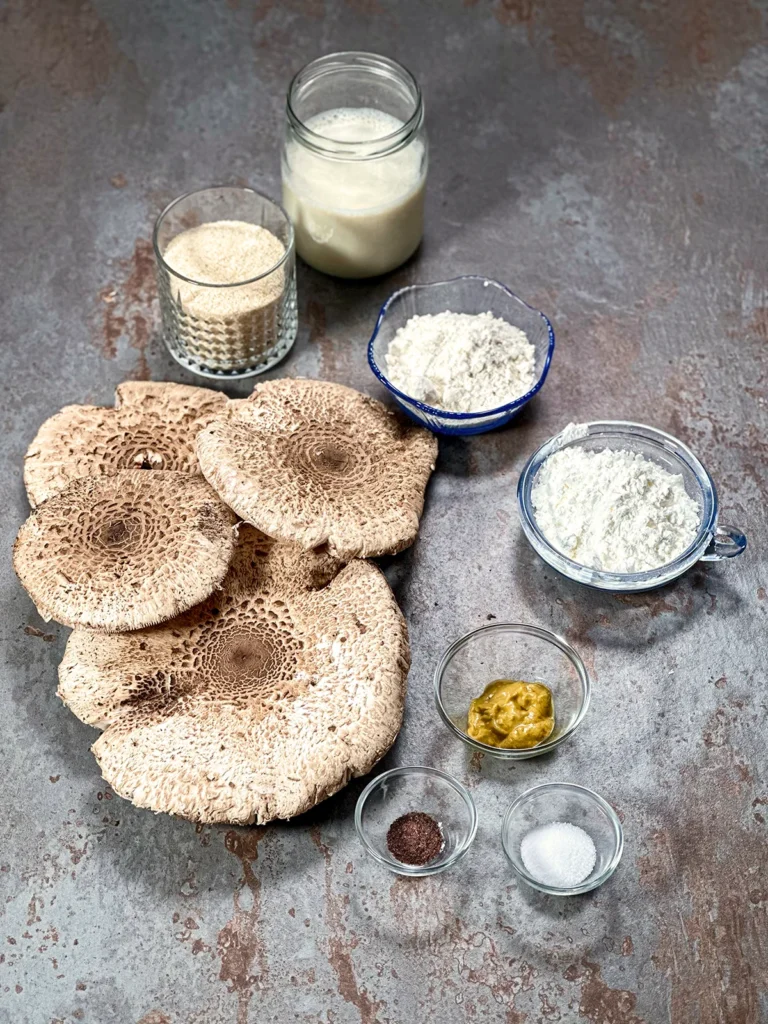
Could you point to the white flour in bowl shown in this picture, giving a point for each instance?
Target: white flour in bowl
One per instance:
(613, 510)
(461, 362)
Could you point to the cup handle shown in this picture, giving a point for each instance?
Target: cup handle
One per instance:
(726, 543)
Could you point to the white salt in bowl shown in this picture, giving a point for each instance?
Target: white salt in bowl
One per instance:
(469, 294)
(713, 542)
(576, 805)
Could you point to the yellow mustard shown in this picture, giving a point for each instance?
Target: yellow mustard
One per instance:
(512, 714)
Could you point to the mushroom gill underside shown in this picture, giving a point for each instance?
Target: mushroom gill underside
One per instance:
(152, 426)
(240, 656)
(256, 705)
(125, 551)
(320, 464)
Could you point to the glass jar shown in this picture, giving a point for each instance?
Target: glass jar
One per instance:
(226, 274)
(354, 164)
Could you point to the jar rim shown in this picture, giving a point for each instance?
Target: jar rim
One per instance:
(332, 63)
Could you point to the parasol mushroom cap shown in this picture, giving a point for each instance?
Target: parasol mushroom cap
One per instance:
(152, 426)
(257, 704)
(320, 464)
(125, 551)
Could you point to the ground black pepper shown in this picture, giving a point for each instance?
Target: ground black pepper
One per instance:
(415, 838)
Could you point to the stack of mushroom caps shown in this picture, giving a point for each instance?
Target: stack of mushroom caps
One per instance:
(242, 659)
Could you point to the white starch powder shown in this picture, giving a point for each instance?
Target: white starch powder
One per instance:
(560, 855)
(613, 510)
(461, 362)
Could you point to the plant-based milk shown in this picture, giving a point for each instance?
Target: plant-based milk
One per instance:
(360, 216)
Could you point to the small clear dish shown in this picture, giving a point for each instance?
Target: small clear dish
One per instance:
(712, 543)
(469, 294)
(416, 788)
(511, 650)
(564, 802)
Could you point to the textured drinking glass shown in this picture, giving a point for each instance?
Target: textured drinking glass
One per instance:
(236, 329)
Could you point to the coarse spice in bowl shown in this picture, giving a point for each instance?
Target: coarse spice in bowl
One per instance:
(393, 817)
(710, 541)
(471, 294)
(563, 803)
(415, 838)
(512, 651)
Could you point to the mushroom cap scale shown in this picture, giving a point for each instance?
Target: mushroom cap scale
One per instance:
(153, 425)
(259, 703)
(125, 551)
(320, 464)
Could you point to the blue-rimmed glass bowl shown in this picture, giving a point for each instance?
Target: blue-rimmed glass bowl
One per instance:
(469, 294)
(712, 543)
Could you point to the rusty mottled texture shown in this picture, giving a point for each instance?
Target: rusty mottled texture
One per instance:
(607, 159)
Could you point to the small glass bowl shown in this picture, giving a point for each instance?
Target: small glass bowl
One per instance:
(511, 650)
(468, 294)
(416, 788)
(712, 543)
(563, 801)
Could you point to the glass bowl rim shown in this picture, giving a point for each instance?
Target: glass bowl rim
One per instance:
(588, 884)
(289, 248)
(445, 413)
(330, 63)
(515, 753)
(417, 869)
(630, 430)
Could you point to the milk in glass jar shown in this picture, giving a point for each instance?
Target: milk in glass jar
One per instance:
(354, 164)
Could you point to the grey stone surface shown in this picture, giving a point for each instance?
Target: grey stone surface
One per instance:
(605, 158)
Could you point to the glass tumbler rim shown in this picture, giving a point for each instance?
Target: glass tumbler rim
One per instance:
(416, 869)
(584, 792)
(227, 284)
(331, 63)
(522, 753)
